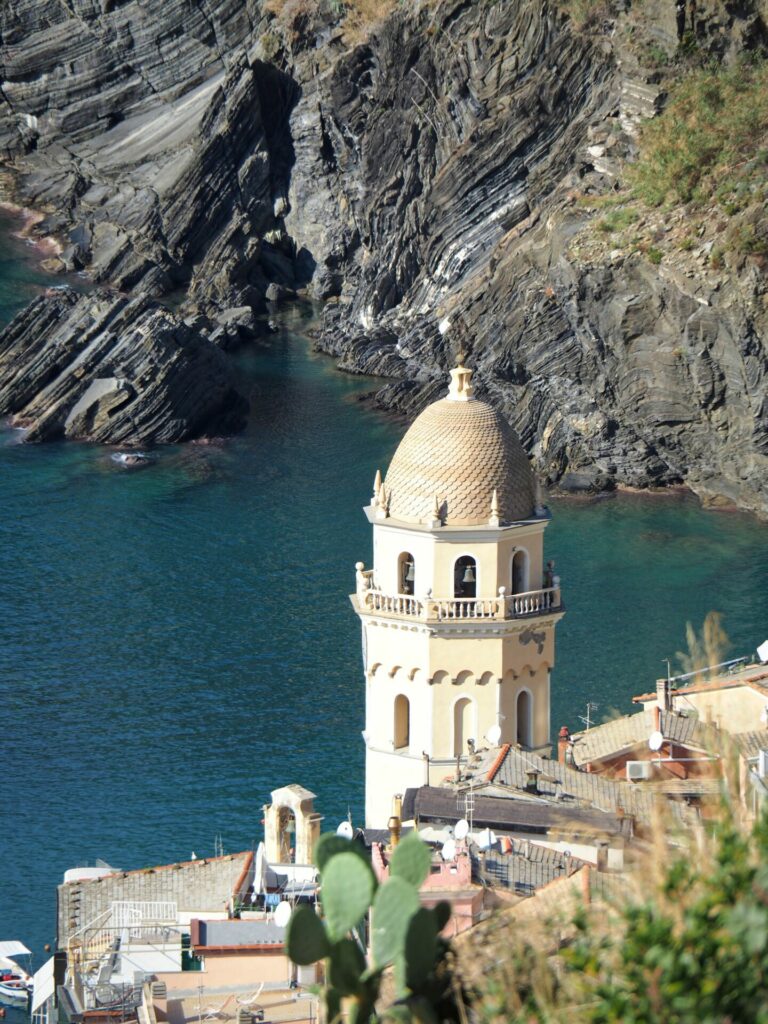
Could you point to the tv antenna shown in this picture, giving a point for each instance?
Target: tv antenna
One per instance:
(587, 719)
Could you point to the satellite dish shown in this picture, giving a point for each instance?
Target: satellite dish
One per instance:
(655, 740)
(494, 735)
(282, 914)
(486, 839)
(345, 830)
(448, 851)
(762, 652)
(461, 829)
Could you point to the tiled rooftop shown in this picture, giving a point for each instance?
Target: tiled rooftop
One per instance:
(507, 770)
(628, 731)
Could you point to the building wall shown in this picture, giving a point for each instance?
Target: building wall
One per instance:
(736, 709)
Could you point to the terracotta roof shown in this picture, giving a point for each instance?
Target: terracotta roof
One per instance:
(623, 733)
(751, 743)
(460, 452)
(569, 786)
(527, 868)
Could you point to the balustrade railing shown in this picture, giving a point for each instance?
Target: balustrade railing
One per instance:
(505, 606)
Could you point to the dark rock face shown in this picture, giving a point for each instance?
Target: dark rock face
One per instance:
(141, 127)
(425, 172)
(448, 145)
(114, 370)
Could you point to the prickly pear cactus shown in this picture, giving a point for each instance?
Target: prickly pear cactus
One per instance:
(402, 933)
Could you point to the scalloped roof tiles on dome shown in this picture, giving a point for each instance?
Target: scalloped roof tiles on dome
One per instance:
(460, 449)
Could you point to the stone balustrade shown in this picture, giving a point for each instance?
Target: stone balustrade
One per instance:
(441, 609)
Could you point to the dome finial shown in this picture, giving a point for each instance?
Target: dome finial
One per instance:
(460, 388)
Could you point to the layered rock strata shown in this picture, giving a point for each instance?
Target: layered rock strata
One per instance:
(114, 370)
(425, 171)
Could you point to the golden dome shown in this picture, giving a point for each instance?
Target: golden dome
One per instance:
(459, 450)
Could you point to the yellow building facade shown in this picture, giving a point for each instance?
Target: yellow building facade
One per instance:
(459, 609)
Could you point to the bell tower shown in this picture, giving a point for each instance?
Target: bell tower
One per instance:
(459, 609)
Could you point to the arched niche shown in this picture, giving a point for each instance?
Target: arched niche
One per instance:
(406, 573)
(402, 722)
(463, 725)
(465, 577)
(524, 708)
(463, 678)
(520, 572)
(485, 678)
(438, 677)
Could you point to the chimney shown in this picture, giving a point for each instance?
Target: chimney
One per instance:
(663, 695)
(395, 823)
(532, 780)
(563, 739)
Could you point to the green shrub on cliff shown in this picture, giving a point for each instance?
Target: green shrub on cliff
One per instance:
(711, 142)
(685, 943)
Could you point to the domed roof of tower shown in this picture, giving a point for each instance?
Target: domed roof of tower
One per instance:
(455, 455)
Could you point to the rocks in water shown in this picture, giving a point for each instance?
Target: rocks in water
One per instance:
(112, 369)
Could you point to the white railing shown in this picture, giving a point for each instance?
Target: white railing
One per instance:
(468, 608)
(440, 609)
(395, 604)
(129, 913)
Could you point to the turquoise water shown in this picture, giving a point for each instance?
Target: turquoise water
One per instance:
(177, 641)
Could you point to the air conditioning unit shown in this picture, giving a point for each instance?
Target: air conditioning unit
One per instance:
(637, 770)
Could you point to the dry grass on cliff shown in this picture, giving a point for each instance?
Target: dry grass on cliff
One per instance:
(356, 17)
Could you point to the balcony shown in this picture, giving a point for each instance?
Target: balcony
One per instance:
(533, 603)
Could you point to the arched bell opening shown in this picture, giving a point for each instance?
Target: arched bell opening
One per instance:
(525, 719)
(402, 723)
(462, 725)
(520, 574)
(406, 573)
(465, 577)
(286, 829)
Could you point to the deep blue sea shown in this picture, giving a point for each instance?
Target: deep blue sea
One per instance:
(177, 642)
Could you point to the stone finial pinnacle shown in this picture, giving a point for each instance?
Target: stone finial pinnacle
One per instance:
(382, 503)
(460, 389)
(494, 519)
(376, 487)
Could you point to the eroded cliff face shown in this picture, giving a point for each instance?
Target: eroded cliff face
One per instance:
(431, 169)
(453, 146)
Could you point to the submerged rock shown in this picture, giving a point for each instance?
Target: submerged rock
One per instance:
(112, 369)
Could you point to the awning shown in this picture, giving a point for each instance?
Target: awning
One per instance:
(45, 985)
(13, 948)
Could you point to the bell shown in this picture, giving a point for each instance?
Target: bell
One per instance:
(469, 575)
(410, 575)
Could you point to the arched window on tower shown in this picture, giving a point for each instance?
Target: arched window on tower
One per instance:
(465, 577)
(525, 719)
(520, 572)
(406, 573)
(402, 721)
(462, 725)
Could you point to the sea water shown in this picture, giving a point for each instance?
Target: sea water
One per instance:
(176, 641)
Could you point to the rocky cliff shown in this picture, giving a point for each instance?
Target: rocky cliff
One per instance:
(434, 165)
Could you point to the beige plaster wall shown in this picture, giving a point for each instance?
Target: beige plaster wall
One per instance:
(736, 709)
